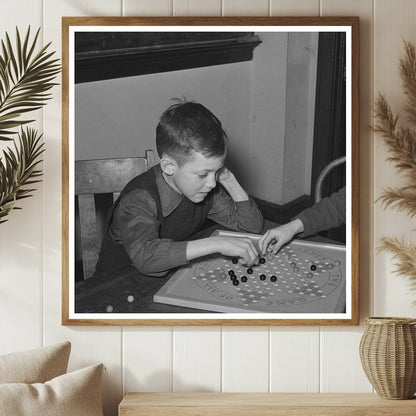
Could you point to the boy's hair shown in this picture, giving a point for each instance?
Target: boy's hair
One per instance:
(188, 127)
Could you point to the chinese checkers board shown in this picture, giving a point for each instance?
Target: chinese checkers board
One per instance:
(303, 277)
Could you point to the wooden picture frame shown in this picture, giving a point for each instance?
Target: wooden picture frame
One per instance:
(287, 89)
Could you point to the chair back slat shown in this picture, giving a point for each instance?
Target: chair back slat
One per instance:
(106, 175)
(89, 238)
(94, 179)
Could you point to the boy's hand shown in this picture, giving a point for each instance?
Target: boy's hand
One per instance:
(227, 179)
(241, 248)
(273, 240)
(225, 175)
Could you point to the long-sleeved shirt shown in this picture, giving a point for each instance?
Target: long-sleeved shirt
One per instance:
(135, 225)
(328, 213)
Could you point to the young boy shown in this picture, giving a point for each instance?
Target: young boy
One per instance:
(157, 213)
(326, 214)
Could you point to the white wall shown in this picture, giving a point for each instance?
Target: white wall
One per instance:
(205, 358)
(268, 108)
(300, 114)
(267, 112)
(118, 118)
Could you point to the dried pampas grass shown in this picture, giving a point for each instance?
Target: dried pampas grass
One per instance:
(401, 143)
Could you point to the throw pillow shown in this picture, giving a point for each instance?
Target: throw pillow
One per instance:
(35, 366)
(73, 394)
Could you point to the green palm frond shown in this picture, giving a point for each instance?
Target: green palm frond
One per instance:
(26, 78)
(19, 170)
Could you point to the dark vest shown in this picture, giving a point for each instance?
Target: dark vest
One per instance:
(184, 221)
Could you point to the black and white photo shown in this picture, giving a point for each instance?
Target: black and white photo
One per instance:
(210, 171)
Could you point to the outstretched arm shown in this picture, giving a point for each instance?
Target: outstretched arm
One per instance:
(326, 214)
(329, 212)
(274, 239)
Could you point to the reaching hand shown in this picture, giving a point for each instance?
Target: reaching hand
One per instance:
(239, 247)
(273, 240)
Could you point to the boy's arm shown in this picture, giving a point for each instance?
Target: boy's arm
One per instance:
(135, 225)
(233, 208)
(241, 248)
(227, 179)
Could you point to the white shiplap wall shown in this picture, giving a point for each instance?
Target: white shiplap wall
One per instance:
(246, 359)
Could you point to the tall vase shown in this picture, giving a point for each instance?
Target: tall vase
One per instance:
(388, 356)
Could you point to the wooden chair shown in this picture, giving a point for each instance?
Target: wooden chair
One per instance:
(324, 173)
(97, 184)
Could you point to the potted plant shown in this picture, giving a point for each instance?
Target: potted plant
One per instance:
(388, 345)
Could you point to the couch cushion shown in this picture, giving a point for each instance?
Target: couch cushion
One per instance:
(35, 366)
(73, 394)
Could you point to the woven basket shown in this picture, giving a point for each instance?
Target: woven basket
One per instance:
(388, 356)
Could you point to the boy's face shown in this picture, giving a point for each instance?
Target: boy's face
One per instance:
(196, 178)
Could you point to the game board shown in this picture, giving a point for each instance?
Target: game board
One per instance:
(304, 277)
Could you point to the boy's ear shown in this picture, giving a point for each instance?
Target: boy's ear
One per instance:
(168, 165)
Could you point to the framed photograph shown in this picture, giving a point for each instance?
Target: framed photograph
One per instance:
(210, 171)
